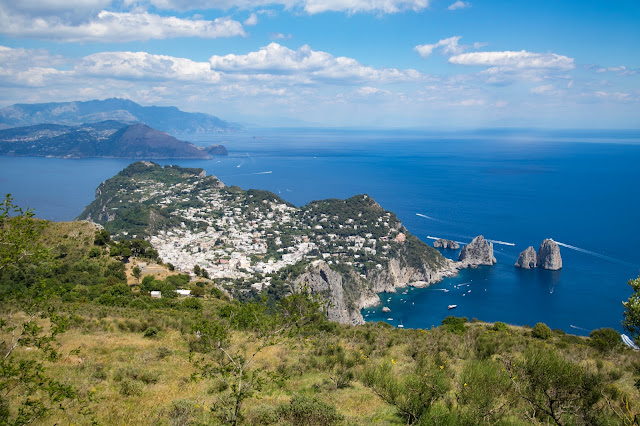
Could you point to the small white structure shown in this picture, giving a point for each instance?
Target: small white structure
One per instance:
(183, 292)
(156, 295)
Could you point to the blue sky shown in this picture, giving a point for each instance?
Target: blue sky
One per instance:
(336, 63)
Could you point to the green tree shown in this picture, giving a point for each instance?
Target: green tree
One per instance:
(136, 271)
(26, 392)
(632, 310)
(19, 235)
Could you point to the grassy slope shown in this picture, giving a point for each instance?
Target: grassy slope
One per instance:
(131, 379)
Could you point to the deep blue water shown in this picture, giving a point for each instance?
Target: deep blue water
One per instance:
(578, 188)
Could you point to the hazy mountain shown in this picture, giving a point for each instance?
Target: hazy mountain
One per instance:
(103, 139)
(167, 119)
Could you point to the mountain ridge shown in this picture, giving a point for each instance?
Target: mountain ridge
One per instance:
(169, 119)
(107, 139)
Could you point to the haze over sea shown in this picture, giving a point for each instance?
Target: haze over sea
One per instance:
(515, 188)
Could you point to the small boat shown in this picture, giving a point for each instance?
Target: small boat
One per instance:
(400, 326)
(389, 319)
(452, 306)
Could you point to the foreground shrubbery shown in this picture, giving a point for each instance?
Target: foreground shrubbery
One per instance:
(79, 346)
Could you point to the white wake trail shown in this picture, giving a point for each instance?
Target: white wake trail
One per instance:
(589, 252)
(501, 242)
(263, 173)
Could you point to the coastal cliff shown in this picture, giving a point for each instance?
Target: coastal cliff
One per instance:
(446, 244)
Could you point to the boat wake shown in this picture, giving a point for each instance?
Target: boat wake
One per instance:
(576, 327)
(592, 253)
(428, 217)
(501, 242)
(262, 173)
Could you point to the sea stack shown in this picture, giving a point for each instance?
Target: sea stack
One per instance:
(478, 252)
(549, 255)
(527, 259)
(446, 244)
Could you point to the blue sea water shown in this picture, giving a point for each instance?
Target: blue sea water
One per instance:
(581, 189)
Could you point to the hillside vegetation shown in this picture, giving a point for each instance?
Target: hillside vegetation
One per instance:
(84, 346)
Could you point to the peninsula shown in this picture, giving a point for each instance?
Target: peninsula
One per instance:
(250, 241)
(107, 139)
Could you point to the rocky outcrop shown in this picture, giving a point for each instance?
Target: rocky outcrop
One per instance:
(527, 259)
(478, 252)
(549, 255)
(347, 294)
(320, 279)
(446, 244)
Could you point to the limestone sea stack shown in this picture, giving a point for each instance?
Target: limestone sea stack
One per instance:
(549, 255)
(478, 252)
(527, 259)
(446, 244)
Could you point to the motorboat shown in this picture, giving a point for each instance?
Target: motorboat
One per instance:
(452, 306)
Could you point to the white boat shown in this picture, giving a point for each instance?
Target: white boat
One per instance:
(627, 341)
(400, 326)
(452, 306)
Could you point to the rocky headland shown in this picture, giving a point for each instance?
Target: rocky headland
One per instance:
(446, 244)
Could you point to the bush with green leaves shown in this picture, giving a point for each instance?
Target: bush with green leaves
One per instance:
(541, 331)
(304, 410)
(454, 324)
(605, 339)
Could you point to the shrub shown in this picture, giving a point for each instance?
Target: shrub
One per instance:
(130, 388)
(182, 411)
(304, 410)
(150, 332)
(541, 331)
(604, 339)
(454, 324)
(500, 326)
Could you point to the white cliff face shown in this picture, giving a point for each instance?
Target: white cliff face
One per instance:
(527, 259)
(478, 252)
(346, 296)
(549, 255)
(321, 280)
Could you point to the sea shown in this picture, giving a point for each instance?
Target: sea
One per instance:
(514, 187)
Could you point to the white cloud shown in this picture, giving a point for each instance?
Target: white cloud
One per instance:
(280, 36)
(459, 5)
(449, 46)
(514, 60)
(251, 20)
(309, 6)
(143, 65)
(545, 89)
(369, 91)
(34, 68)
(621, 70)
(307, 65)
(118, 26)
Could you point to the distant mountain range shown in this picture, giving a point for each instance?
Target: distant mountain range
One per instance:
(110, 139)
(167, 119)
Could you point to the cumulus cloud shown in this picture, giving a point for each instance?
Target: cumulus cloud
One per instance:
(459, 5)
(28, 67)
(514, 60)
(251, 20)
(449, 46)
(306, 64)
(118, 26)
(143, 65)
(309, 6)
